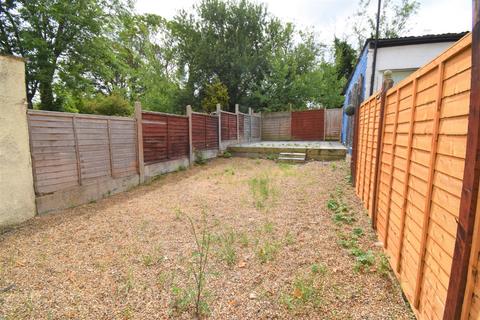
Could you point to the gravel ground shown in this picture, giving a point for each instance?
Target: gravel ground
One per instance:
(275, 251)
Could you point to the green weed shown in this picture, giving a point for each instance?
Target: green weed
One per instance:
(267, 252)
(319, 269)
(226, 154)
(261, 190)
(364, 259)
(227, 248)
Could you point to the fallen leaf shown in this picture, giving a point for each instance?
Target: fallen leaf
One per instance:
(297, 293)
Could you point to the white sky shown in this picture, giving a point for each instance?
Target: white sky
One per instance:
(329, 17)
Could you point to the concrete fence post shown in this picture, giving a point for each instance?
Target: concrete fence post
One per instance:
(191, 157)
(138, 122)
(17, 196)
(250, 112)
(237, 113)
(219, 113)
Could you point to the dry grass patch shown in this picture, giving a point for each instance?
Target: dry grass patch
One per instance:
(284, 241)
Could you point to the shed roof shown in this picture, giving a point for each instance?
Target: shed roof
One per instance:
(405, 41)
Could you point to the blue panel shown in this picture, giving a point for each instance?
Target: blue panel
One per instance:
(360, 69)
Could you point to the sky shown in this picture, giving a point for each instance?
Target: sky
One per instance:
(330, 17)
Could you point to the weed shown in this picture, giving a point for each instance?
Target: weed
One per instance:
(303, 291)
(257, 161)
(358, 232)
(289, 239)
(383, 266)
(364, 259)
(200, 259)
(319, 269)
(340, 217)
(261, 190)
(243, 239)
(128, 282)
(227, 249)
(333, 165)
(229, 171)
(285, 166)
(148, 260)
(268, 227)
(199, 159)
(267, 252)
(178, 214)
(181, 168)
(332, 204)
(162, 279)
(182, 299)
(127, 312)
(272, 156)
(226, 154)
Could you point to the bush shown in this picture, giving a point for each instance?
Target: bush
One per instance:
(112, 105)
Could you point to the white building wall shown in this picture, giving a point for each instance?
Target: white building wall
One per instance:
(403, 60)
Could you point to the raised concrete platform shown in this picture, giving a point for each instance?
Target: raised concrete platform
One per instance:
(315, 150)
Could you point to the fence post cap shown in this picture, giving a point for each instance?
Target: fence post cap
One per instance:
(387, 74)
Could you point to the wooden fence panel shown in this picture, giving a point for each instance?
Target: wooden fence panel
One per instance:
(241, 126)
(276, 126)
(204, 131)
(333, 123)
(256, 127)
(165, 137)
(229, 126)
(420, 176)
(308, 125)
(247, 127)
(70, 150)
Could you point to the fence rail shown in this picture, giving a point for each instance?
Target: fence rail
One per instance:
(421, 163)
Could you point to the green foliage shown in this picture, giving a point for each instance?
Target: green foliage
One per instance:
(394, 18)
(113, 105)
(383, 266)
(226, 154)
(305, 290)
(345, 58)
(200, 256)
(227, 249)
(261, 190)
(364, 259)
(199, 159)
(215, 93)
(267, 252)
(319, 269)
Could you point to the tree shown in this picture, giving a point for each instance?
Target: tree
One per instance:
(228, 40)
(49, 33)
(345, 57)
(394, 18)
(215, 93)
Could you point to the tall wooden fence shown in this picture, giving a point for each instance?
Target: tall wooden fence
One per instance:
(413, 194)
(73, 149)
(229, 126)
(204, 131)
(276, 126)
(308, 125)
(333, 123)
(165, 137)
(299, 125)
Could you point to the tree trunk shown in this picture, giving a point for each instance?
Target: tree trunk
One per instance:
(47, 100)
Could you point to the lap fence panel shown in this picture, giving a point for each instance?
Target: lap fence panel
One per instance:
(421, 165)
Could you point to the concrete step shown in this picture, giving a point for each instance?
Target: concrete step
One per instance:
(290, 160)
(293, 155)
